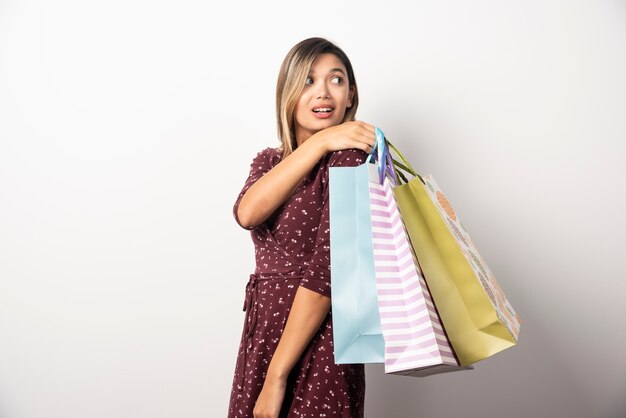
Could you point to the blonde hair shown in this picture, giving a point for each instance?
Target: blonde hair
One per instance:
(291, 80)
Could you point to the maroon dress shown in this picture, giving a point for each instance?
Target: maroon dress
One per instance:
(292, 249)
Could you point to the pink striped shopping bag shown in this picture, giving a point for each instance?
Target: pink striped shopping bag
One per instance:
(415, 341)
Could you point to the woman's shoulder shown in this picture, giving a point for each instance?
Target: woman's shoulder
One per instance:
(275, 155)
(268, 155)
(269, 151)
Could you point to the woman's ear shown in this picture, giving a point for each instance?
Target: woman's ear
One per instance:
(350, 96)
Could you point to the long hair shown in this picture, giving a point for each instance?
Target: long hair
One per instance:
(291, 81)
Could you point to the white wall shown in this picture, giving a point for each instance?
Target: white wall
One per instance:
(127, 129)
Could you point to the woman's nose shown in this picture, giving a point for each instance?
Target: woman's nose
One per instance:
(322, 92)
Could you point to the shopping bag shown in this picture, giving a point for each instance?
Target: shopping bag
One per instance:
(415, 340)
(357, 335)
(478, 318)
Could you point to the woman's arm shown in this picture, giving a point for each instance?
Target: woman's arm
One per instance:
(307, 313)
(271, 190)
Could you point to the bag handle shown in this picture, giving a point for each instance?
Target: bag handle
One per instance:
(380, 154)
(387, 164)
(405, 167)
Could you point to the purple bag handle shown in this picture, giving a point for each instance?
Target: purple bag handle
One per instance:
(380, 154)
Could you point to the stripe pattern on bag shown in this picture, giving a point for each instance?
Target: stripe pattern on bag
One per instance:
(414, 336)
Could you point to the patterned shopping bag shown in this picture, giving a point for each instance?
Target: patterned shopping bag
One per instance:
(415, 340)
(478, 318)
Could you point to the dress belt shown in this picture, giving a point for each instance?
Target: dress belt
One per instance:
(250, 307)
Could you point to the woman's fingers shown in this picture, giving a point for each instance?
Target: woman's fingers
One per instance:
(359, 135)
(367, 126)
(369, 129)
(367, 135)
(353, 134)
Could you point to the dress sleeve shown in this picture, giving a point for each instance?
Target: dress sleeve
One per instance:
(261, 164)
(317, 275)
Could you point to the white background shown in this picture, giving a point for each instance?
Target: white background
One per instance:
(126, 132)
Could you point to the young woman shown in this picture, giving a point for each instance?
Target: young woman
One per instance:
(285, 366)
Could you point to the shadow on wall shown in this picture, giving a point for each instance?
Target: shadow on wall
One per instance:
(524, 381)
(619, 409)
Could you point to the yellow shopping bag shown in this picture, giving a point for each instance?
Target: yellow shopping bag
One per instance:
(475, 313)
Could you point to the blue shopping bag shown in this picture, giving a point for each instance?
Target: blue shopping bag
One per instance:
(357, 332)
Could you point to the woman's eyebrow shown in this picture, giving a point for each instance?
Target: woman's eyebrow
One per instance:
(332, 70)
(337, 69)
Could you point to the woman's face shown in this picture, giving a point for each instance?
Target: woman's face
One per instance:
(325, 97)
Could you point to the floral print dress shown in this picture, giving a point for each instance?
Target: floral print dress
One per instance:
(292, 249)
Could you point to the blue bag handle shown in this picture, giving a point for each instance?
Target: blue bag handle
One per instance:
(382, 157)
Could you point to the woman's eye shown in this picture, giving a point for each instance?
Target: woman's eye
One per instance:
(309, 80)
(336, 80)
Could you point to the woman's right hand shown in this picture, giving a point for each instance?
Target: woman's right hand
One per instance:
(352, 134)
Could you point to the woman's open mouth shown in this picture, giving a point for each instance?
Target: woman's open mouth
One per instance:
(323, 112)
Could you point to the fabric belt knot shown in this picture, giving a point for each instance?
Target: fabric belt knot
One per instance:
(251, 309)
